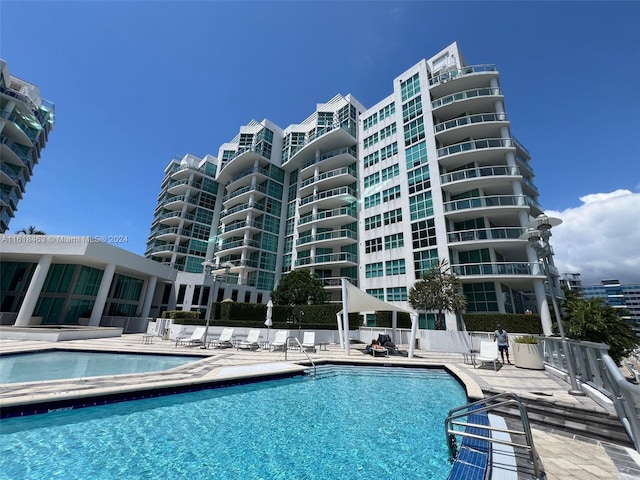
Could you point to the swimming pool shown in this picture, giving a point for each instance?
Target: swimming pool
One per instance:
(54, 365)
(348, 423)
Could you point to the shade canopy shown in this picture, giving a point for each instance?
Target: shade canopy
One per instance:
(359, 301)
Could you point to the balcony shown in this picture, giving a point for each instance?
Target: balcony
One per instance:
(167, 234)
(484, 150)
(166, 250)
(242, 195)
(20, 154)
(327, 138)
(507, 239)
(335, 238)
(244, 158)
(337, 158)
(474, 100)
(327, 180)
(481, 125)
(464, 180)
(178, 187)
(502, 203)
(235, 247)
(506, 269)
(238, 212)
(336, 282)
(338, 260)
(461, 78)
(246, 178)
(29, 130)
(328, 200)
(175, 218)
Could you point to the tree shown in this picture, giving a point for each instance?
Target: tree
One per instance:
(438, 289)
(299, 287)
(31, 230)
(594, 320)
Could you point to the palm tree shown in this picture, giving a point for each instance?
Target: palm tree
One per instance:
(31, 230)
(438, 289)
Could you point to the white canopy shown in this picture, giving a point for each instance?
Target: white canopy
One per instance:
(355, 300)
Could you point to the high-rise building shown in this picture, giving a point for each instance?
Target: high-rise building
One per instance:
(618, 295)
(25, 122)
(377, 195)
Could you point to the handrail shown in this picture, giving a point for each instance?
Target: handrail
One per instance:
(302, 349)
(480, 406)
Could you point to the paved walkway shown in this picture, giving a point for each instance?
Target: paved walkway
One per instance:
(563, 457)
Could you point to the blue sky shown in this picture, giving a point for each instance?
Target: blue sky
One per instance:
(137, 83)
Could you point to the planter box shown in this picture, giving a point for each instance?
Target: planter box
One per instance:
(528, 355)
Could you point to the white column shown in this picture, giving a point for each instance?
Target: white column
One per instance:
(101, 298)
(33, 292)
(543, 307)
(345, 316)
(414, 334)
(148, 297)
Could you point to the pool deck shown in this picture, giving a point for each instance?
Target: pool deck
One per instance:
(563, 457)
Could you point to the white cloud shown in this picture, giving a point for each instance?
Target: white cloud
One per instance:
(600, 239)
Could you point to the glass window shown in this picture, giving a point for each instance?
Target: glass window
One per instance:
(394, 216)
(373, 245)
(374, 270)
(394, 241)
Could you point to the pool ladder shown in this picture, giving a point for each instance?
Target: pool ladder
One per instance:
(303, 350)
(478, 431)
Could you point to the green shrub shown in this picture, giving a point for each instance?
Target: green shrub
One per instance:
(181, 315)
(530, 339)
(511, 322)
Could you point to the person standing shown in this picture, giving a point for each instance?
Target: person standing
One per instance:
(502, 337)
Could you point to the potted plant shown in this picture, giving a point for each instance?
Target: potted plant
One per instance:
(527, 352)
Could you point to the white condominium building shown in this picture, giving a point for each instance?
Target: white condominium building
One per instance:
(25, 122)
(377, 195)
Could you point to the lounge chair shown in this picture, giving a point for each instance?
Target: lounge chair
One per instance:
(224, 340)
(309, 341)
(280, 341)
(251, 343)
(196, 338)
(488, 354)
(385, 341)
(376, 349)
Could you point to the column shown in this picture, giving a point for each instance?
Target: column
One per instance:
(148, 296)
(101, 298)
(33, 292)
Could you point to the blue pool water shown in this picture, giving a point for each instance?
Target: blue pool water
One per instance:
(32, 367)
(349, 423)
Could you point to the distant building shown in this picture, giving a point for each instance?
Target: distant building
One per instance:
(618, 296)
(571, 281)
(25, 122)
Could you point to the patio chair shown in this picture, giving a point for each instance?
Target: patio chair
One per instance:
(251, 342)
(385, 341)
(195, 338)
(309, 341)
(224, 340)
(280, 341)
(488, 354)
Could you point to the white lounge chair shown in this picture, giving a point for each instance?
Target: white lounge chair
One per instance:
(224, 340)
(280, 342)
(488, 354)
(309, 341)
(251, 343)
(194, 339)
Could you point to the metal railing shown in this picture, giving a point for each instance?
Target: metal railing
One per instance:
(302, 349)
(595, 368)
(458, 417)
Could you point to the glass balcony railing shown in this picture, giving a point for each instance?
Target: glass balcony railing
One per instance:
(332, 173)
(350, 150)
(337, 281)
(239, 243)
(498, 268)
(347, 127)
(469, 120)
(485, 202)
(248, 188)
(327, 214)
(328, 258)
(451, 74)
(475, 145)
(466, 95)
(251, 171)
(30, 129)
(496, 171)
(23, 152)
(511, 233)
(168, 248)
(329, 193)
(186, 216)
(333, 235)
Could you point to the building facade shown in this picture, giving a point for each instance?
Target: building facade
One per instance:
(618, 295)
(25, 122)
(378, 194)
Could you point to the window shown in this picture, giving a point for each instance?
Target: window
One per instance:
(372, 200)
(394, 241)
(389, 151)
(372, 222)
(387, 131)
(371, 159)
(414, 131)
(410, 87)
(397, 294)
(423, 234)
(419, 179)
(395, 267)
(481, 297)
(416, 155)
(387, 111)
(412, 109)
(372, 179)
(370, 140)
(391, 193)
(423, 260)
(374, 245)
(370, 121)
(421, 206)
(394, 216)
(390, 172)
(374, 270)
